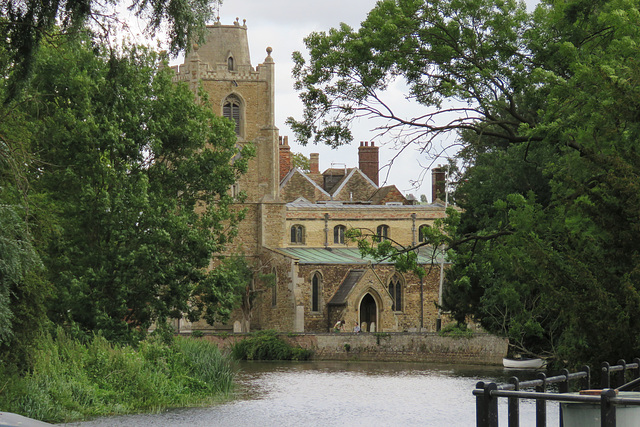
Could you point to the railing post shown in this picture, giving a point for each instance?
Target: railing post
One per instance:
(637, 362)
(486, 406)
(481, 411)
(621, 375)
(605, 380)
(491, 404)
(586, 385)
(563, 387)
(514, 404)
(607, 409)
(541, 404)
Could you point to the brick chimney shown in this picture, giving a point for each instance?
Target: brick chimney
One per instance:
(314, 163)
(438, 178)
(368, 160)
(285, 157)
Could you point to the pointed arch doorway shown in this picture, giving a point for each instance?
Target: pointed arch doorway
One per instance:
(368, 313)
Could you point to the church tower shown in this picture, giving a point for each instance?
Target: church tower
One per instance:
(244, 94)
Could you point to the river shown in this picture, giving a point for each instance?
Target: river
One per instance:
(343, 394)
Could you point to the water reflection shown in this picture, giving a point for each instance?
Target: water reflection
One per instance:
(343, 394)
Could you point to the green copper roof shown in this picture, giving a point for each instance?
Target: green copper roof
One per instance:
(347, 256)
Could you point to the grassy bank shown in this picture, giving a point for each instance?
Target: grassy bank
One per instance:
(73, 381)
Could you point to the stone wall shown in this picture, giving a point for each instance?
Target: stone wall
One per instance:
(397, 321)
(403, 221)
(482, 349)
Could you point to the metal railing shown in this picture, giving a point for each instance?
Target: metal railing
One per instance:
(612, 380)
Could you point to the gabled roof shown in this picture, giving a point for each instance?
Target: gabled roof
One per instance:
(311, 182)
(302, 201)
(352, 278)
(344, 181)
(382, 193)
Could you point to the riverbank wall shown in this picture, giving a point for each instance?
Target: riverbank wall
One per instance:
(481, 349)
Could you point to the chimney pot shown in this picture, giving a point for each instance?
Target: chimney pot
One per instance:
(438, 178)
(368, 161)
(314, 163)
(284, 158)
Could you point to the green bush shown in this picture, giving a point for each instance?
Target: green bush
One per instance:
(458, 330)
(266, 345)
(73, 381)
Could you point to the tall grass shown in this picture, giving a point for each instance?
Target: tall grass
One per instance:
(71, 381)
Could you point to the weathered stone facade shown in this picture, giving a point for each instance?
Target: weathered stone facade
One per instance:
(295, 220)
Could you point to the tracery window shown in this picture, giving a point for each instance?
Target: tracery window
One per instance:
(395, 290)
(297, 234)
(382, 232)
(338, 234)
(232, 110)
(315, 292)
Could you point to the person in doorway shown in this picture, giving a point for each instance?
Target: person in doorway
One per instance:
(356, 328)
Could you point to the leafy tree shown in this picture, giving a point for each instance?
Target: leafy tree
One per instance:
(468, 51)
(235, 283)
(18, 261)
(131, 194)
(300, 161)
(23, 291)
(544, 106)
(27, 24)
(227, 288)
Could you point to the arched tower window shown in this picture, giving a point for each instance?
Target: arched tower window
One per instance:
(230, 63)
(422, 236)
(315, 292)
(297, 234)
(382, 232)
(338, 234)
(232, 110)
(395, 290)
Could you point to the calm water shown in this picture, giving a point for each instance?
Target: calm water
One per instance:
(343, 394)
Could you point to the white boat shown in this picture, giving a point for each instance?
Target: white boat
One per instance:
(523, 363)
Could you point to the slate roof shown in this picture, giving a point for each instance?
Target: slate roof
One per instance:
(343, 182)
(379, 195)
(295, 171)
(340, 297)
(347, 256)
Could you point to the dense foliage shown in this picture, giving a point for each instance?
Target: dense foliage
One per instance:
(26, 25)
(71, 380)
(115, 195)
(545, 105)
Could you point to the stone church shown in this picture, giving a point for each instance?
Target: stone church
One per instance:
(294, 230)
